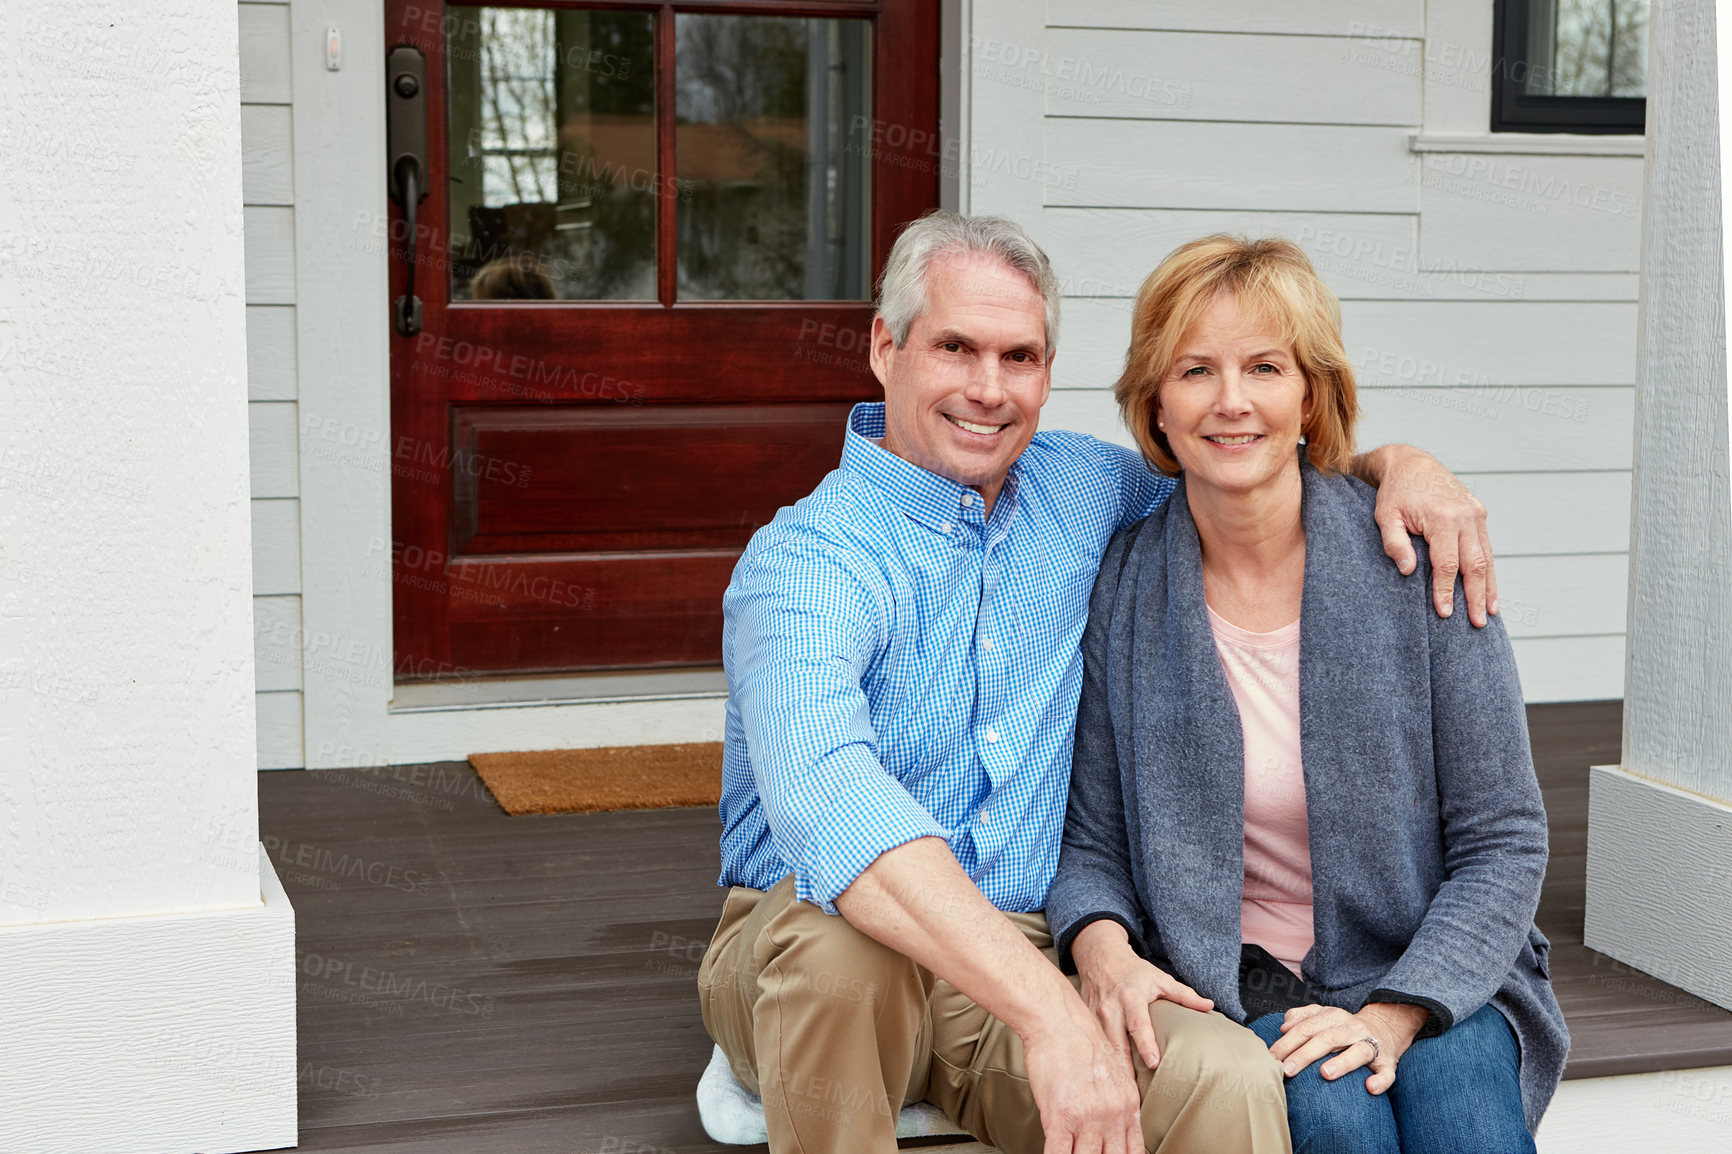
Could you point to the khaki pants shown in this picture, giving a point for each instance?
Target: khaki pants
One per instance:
(836, 1032)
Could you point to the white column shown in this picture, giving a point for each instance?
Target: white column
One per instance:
(146, 957)
(1660, 825)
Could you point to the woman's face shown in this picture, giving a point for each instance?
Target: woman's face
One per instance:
(1233, 401)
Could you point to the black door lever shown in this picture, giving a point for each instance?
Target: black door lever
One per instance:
(406, 144)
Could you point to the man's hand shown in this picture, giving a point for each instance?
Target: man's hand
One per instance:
(1087, 1096)
(1119, 987)
(1309, 1032)
(918, 901)
(1416, 494)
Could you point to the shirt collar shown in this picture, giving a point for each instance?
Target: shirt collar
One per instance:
(934, 501)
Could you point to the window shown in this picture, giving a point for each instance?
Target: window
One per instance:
(555, 172)
(1570, 66)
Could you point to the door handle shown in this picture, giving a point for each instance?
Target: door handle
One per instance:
(406, 145)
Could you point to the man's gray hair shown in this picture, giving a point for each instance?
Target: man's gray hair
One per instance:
(902, 288)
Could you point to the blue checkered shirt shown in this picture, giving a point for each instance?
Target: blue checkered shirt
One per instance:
(899, 667)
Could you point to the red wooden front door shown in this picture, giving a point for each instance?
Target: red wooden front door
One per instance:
(644, 262)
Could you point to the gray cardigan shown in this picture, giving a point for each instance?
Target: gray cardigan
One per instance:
(1428, 836)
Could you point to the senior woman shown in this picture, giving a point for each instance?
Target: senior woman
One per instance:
(1295, 788)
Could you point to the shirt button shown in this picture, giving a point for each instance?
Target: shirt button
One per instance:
(968, 497)
(986, 643)
(944, 528)
(992, 735)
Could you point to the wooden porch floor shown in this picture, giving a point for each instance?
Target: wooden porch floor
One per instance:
(472, 982)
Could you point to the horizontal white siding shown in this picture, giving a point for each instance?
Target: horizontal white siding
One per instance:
(277, 643)
(279, 720)
(1412, 344)
(1313, 17)
(267, 156)
(268, 191)
(1209, 164)
(271, 369)
(270, 233)
(1556, 512)
(1163, 76)
(264, 53)
(1559, 213)
(1488, 300)
(275, 462)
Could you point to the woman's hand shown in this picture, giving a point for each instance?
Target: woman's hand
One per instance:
(1309, 1032)
(1119, 987)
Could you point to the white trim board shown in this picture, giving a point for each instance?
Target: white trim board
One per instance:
(572, 689)
(163, 1033)
(1528, 143)
(342, 343)
(425, 735)
(1658, 882)
(1678, 1111)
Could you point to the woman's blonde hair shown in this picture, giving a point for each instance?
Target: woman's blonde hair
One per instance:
(1271, 279)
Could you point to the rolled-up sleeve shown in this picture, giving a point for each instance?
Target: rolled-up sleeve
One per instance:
(803, 631)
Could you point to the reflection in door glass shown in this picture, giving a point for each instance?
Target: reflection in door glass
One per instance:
(553, 154)
(772, 156)
(1587, 48)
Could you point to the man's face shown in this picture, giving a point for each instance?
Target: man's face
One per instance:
(962, 396)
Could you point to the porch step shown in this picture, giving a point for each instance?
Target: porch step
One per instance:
(1678, 1111)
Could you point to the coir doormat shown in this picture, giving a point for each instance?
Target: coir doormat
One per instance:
(593, 780)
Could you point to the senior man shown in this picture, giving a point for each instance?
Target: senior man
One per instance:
(903, 673)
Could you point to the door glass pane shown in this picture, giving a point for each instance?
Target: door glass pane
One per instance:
(553, 154)
(1587, 48)
(771, 153)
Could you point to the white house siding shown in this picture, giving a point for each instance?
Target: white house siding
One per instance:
(1493, 319)
(267, 187)
(1489, 298)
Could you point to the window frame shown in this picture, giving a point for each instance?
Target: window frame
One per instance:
(1513, 109)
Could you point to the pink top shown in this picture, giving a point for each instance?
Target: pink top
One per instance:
(1263, 670)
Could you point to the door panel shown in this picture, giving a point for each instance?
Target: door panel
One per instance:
(639, 222)
(589, 479)
(641, 609)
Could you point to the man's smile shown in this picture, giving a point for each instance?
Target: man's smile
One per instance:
(974, 426)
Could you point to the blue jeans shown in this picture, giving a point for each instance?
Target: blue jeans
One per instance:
(1457, 1093)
